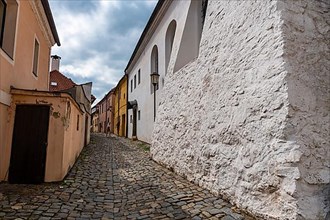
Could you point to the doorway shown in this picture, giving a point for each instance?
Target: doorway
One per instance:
(86, 130)
(123, 125)
(29, 144)
(134, 124)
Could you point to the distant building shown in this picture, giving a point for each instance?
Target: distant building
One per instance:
(104, 112)
(80, 93)
(95, 119)
(57, 81)
(120, 113)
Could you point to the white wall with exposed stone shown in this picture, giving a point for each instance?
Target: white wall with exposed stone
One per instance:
(249, 118)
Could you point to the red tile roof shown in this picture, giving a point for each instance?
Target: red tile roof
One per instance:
(62, 81)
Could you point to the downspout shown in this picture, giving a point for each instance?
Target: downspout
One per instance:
(118, 99)
(126, 104)
(106, 114)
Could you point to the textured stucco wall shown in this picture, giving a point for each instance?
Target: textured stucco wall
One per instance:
(235, 121)
(306, 33)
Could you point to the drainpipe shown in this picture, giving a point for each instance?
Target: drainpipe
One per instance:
(106, 115)
(118, 127)
(126, 76)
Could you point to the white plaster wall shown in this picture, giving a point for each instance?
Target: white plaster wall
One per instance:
(306, 33)
(247, 119)
(178, 10)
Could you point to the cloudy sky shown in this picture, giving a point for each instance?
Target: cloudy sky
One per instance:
(98, 37)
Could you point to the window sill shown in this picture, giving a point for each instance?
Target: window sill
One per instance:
(7, 57)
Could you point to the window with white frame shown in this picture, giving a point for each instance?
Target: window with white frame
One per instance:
(8, 17)
(2, 17)
(35, 57)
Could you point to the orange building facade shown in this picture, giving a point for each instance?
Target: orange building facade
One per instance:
(41, 132)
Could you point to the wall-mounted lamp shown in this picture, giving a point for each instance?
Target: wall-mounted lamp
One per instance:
(154, 80)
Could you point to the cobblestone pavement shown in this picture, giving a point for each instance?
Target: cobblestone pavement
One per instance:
(114, 178)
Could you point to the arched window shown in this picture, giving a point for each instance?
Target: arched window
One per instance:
(154, 64)
(192, 33)
(169, 39)
(154, 59)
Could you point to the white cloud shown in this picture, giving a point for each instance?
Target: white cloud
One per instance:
(98, 38)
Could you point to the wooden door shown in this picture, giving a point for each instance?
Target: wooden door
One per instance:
(123, 124)
(86, 130)
(134, 124)
(29, 145)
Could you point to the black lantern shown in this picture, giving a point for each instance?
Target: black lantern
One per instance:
(154, 78)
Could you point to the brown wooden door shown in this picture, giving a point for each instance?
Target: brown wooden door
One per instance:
(123, 125)
(134, 124)
(29, 145)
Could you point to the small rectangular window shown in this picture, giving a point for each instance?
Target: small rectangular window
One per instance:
(77, 122)
(8, 14)
(139, 76)
(134, 81)
(2, 18)
(139, 115)
(131, 85)
(131, 119)
(35, 57)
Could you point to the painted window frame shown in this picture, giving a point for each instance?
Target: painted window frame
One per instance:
(35, 57)
(9, 28)
(2, 20)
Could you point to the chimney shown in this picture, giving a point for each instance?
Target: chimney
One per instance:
(55, 63)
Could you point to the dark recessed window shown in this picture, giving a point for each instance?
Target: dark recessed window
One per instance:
(139, 115)
(131, 85)
(35, 57)
(77, 122)
(139, 76)
(2, 18)
(134, 81)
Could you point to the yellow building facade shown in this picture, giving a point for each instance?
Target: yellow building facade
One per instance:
(120, 113)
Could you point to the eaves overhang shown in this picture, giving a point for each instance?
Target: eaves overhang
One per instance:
(148, 31)
(51, 22)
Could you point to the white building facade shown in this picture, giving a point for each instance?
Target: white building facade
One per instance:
(249, 118)
(169, 41)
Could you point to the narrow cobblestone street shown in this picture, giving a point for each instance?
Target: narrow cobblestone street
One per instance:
(114, 178)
